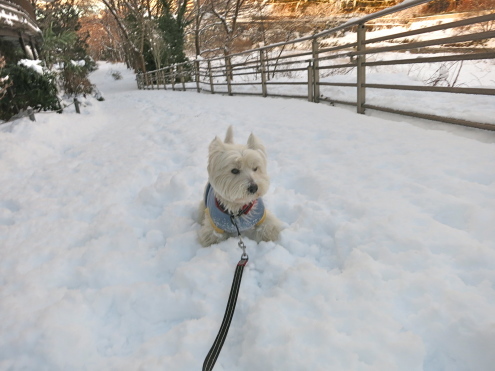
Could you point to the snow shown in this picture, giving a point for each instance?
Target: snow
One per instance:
(11, 14)
(80, 63)
(8, 18)
(35, 65)
(386, 260)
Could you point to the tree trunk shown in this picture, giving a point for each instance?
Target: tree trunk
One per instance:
(137, 54)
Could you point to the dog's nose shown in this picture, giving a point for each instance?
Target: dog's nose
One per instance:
(253, 188)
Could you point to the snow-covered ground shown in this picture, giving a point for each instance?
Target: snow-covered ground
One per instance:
(386, 261)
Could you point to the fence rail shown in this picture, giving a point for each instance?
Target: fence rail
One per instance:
(323, 67)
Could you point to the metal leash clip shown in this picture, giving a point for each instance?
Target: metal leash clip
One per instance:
(244, 255)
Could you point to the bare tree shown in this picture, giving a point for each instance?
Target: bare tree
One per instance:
(198, 15)
(106, 42)
(127, 14)
(221, 24)
(152, 31)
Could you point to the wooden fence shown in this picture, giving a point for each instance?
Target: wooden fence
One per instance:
(320, 67)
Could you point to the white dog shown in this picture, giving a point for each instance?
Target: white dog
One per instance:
(232, 201)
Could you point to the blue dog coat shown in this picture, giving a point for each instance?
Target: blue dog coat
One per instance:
(252, 215)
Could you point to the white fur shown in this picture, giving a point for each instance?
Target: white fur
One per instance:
(232, 190)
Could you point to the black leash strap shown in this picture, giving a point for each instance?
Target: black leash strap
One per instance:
(212, 356)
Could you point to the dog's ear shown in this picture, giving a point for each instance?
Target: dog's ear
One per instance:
(229, 137)
(255, 143)
(216, 145)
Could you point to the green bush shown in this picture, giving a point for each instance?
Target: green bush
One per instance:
(116, 75)
(29, 89)
(10, 51)
(74, 80)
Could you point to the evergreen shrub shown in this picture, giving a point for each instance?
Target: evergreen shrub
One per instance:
(74, 80)
(28, 89)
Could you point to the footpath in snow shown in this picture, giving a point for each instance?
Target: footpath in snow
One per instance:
(386, 261)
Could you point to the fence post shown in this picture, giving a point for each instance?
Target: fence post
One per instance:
(164, 77)
(263, 75)
(30, 113)
(316, 72)
(172, 74)
(196, 72)
(76, 104)
(310, 81)
(228, 74)
(267, 65)
(211, 77)
(361, 69)
(181, 74)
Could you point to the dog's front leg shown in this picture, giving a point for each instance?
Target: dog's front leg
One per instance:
(270, 229)
(207, 234)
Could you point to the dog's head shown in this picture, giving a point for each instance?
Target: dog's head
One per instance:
(237, 172)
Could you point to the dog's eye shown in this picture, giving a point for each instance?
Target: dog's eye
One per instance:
(235, 171)
(255, 169)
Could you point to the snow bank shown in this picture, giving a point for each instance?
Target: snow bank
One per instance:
(386, 262)
(33, 64)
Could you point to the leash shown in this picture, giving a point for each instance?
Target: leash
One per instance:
(214, 352)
